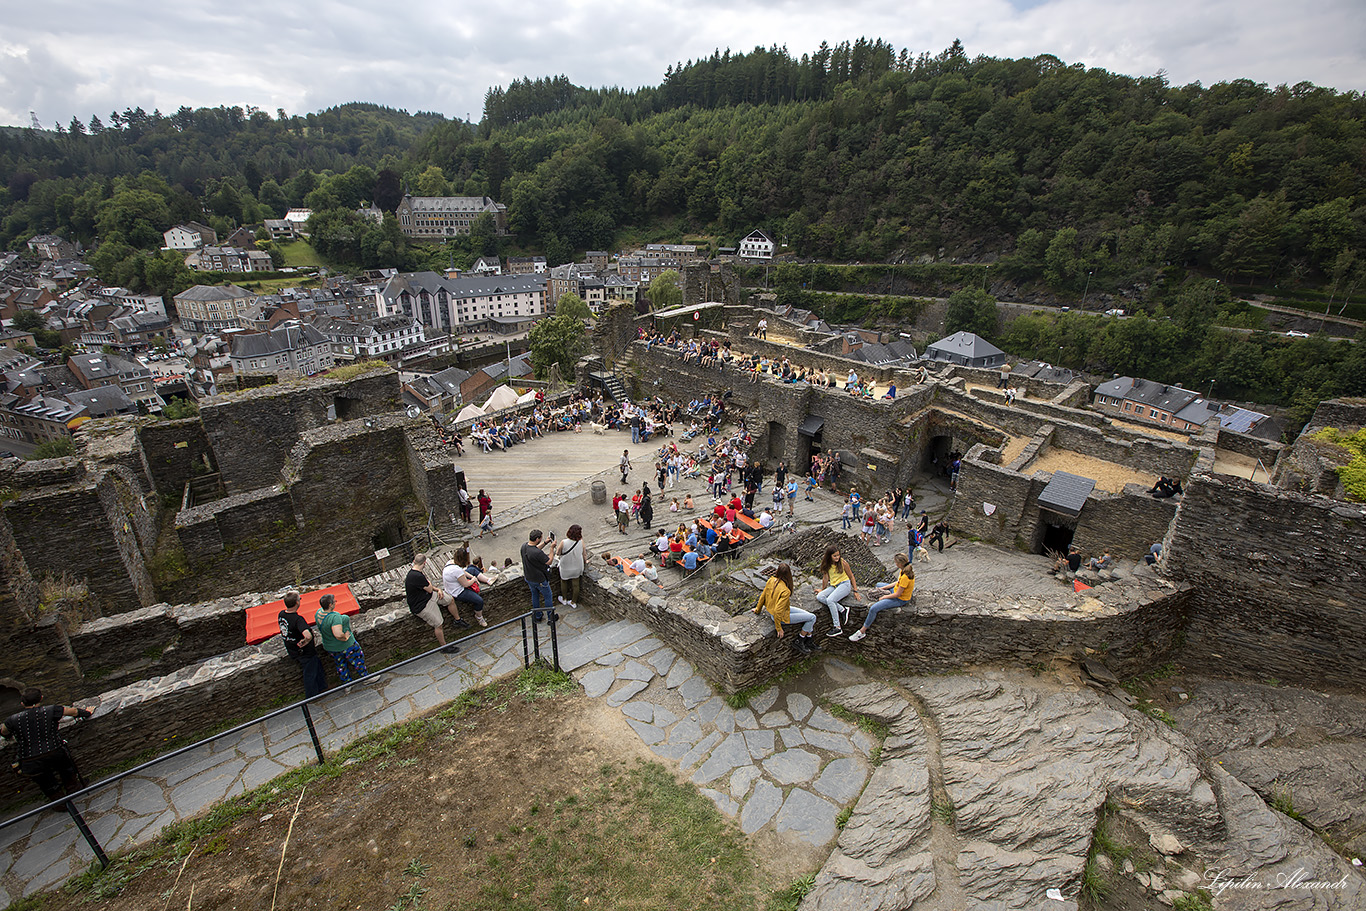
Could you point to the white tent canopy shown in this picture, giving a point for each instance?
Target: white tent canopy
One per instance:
(469, 412)
(527, 397)
(503, 397)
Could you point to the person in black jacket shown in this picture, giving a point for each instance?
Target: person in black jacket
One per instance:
(43, 755)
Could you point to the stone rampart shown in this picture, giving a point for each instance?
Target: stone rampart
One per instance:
(1278, 582)
(1253, 447)
(251, 432)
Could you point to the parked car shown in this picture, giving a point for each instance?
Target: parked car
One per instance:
(1295, 333)
(1114, 312)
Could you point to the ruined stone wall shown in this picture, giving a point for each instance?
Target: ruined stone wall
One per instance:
(1250, 446)
(1278, 582)
(991, 378)
(94, 528)
(175, 452)
(1344, 414)
(252, 432)
(114, 441)
(707, 282)
(1126, 525)
(1011, 493)
(614, 331)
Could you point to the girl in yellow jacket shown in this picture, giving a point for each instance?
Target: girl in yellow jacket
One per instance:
(777, 600)
(899, 596)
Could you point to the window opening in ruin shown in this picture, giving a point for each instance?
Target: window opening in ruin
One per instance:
(777, 440)
(344, 409)
(390, 535)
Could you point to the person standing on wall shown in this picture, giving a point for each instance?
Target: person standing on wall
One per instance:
(43, 755)
(301, 641)
(625, 464)
(335, 629)
(535, 570)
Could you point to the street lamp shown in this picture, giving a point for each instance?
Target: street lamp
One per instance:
(1087, 291)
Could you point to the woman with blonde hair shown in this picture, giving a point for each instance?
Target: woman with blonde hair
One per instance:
(900, 596)
(777, 600)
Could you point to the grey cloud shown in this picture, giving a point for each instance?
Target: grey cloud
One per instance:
(441, 56)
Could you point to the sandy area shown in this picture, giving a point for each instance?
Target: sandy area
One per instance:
(1240, 466)
(1107, 475)
(1149, 430)
(1014, 446)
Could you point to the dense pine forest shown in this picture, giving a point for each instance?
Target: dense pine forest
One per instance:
(1065, 180)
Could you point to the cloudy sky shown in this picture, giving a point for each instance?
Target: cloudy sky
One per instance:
(62, 57)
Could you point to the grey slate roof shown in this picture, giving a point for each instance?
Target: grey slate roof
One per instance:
(1066, 493)
(963, 345)
(98, 403)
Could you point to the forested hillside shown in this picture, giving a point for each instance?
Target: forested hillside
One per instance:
(1060, 174)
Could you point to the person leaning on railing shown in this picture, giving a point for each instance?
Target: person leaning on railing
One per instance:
(43, 755)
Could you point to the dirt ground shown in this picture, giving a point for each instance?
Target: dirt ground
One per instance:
(1238, 465)
(1107, 475)
(514, 804)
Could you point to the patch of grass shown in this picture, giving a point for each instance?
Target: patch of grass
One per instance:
(842, 818)
(790, 898)
(1161, 714)
(942, 810)
(1094, 886)
(1283, 801)
(350, 371)
(541, 680)
(875, 756)
(866, 723)
(1199, 900)
(300, 253)
(740, 699)
(416, 868)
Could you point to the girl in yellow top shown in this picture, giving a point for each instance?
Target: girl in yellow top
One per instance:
(837, 582)
(899, 596)
(777, 600)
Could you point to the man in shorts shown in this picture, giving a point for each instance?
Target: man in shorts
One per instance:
(419, 590)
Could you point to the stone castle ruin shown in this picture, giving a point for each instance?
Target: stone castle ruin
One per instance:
(124, 570)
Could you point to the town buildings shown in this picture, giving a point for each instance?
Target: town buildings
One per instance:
(189, 236)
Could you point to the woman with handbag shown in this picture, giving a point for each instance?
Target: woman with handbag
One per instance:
(569, 557)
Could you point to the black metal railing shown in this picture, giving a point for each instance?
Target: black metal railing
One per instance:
(531, 651)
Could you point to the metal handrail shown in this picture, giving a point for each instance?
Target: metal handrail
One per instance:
(67, 802)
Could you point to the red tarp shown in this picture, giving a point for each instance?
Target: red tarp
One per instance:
(263, 622)
(1080, 586)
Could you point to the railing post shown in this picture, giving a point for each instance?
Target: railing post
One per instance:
(526, 655)
(554, 641)
(313, 732)
(86, 833)
(535, 640)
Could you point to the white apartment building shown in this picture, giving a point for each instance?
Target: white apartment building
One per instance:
(461, 304)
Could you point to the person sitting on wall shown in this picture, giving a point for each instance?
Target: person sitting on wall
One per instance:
(1103, 562)
(891, 391)
(1070, 563)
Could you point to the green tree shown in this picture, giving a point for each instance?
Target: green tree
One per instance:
(571, 304)
(664, 293)
(53, 449)
(432, 182)
(28, 320)
(558, 340)
(971, 310)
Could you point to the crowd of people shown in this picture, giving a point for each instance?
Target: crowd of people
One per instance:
(719, 354)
